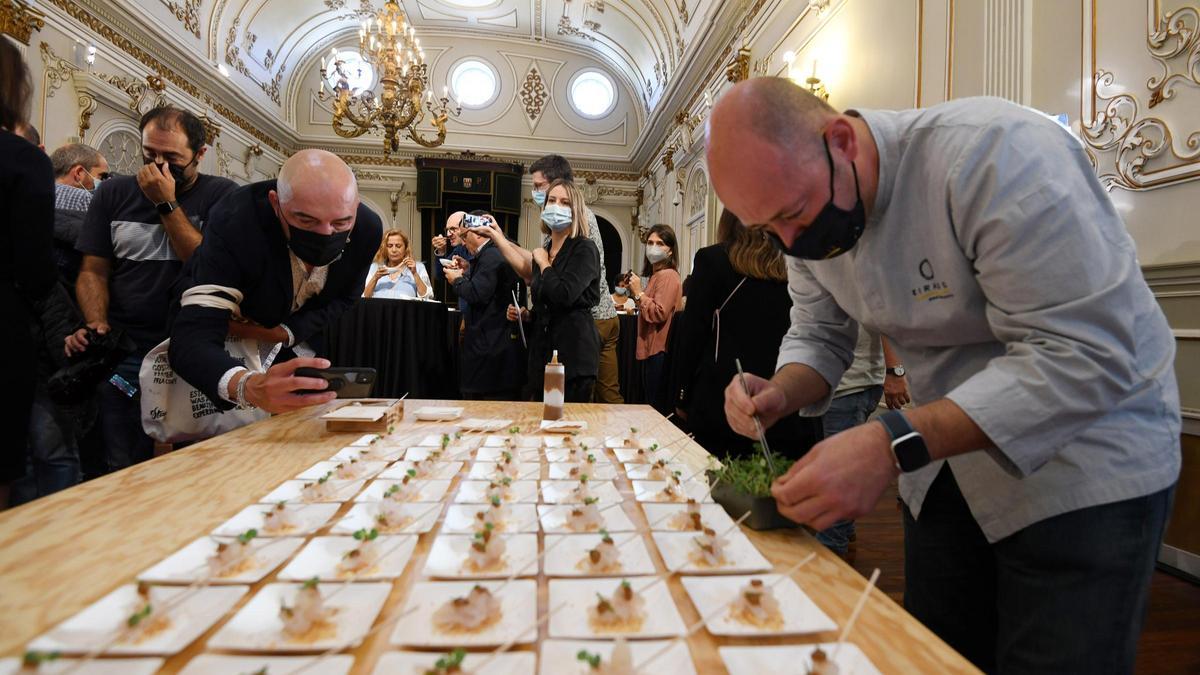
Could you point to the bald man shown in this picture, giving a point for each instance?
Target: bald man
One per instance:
(1038, 465)
(453, 248)
(298, 249)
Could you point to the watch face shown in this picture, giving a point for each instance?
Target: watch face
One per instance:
(899, 371)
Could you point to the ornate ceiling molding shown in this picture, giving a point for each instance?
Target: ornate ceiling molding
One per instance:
(19, 20)
(534, 96)
(234, 58)
(188, 13)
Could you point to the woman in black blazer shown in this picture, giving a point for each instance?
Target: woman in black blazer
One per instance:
(737, 308)
(564, 288)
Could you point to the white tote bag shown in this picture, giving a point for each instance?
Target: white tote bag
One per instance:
(173, 410)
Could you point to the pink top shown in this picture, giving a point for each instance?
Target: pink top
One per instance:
(662, 297)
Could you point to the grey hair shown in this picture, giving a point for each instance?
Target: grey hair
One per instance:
(72, 155)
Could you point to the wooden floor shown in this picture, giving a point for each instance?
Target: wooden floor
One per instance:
(1170, 642)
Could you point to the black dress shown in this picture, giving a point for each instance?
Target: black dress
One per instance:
(752, 324)
(27, 277)
(563, 295)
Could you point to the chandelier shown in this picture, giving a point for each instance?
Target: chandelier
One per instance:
(389, 43)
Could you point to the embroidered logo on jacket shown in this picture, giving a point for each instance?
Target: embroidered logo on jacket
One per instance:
(932, 289)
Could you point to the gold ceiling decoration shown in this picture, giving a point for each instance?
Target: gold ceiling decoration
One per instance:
(19, 20)
(389, 43)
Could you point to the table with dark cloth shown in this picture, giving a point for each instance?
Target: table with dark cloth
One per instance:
(413, 346)
(630, 369)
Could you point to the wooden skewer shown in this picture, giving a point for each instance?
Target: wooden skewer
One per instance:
(862, 600)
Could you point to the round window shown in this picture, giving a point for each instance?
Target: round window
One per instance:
(593, 94)
(359, 73)
(473, 83)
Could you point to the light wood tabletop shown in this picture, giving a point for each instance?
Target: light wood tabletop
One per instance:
(61, 553)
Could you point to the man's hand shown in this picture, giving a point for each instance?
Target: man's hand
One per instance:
(462, 264)
(453, 274)
(768, 401)
(541, 258)
(76, 343)
(157, 184)
(491, 231)
(895, 391)
(439, 244)
(841, 477)
(275, 390)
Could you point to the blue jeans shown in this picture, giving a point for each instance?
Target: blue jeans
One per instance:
(1063, 595)
(844, 413)
(120, 420)
(53, 460)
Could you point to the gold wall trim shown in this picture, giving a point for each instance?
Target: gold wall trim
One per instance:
(19, 20)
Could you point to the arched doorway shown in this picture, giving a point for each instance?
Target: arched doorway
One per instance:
(612, 251)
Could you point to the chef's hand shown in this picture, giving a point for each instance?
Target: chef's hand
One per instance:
(842, 477)
(541, 258)
(275, 390)
(895, 391)
(766, 399)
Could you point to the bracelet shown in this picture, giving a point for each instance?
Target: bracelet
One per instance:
(240, 396)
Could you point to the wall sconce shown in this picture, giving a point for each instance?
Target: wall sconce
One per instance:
(812, 83)
(91, 56)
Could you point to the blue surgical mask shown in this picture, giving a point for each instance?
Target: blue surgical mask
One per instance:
(621, 291)
(557, 217)
(539, 198)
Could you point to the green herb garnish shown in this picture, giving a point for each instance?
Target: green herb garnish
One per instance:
(35, 658)
(514, 429)
(411, 473)
(750, 474)
(495, 500)
(138, 616)
(366, 535)
(590, 500)
(311, 583)
(452, 660)
(246, 536)
(587, 657)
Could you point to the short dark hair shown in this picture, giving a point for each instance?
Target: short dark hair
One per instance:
(30, 133)
(169, 117)
(553, 167)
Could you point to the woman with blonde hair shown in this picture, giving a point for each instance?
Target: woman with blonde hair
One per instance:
(738, 308)
(395, 274)
(563, 289)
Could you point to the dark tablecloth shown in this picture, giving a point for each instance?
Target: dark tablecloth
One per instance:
(630, 369)
(413, 345)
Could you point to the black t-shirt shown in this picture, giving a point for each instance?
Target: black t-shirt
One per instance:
(124, 227)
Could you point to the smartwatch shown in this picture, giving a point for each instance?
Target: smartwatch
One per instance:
(165, 208)
(908, 446)
(898, 371)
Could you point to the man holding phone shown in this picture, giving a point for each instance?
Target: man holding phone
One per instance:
(286, 245)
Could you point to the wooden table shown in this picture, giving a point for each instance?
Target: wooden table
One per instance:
(60, 553)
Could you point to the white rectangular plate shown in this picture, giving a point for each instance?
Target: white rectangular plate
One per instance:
(620, 442)
(661, 517)
(453, 453)
(308, 517)
(481, 424)
(364, 472)
(559, 492)
(448, 557)
(559, 454)
(321, 556)
(554, 518)
(460, 518)
(438, 413)
(146, 666)
(220, 664)
(190, 563)
(651, 491)
(633, 456)
(357, 413)
(381, 451)
(362, 516)
(495, 454)
(562, 471)
(661, 618)
(365, 439)
(565, 551)
(800, 614)
(430, 490)
(740, 553)
(442, 470)
(99, 623)
(487, 471)
(759, 660)
(518, 600)
(559, 656)
(289, 491)
(257, 627)
(475, 492)
(508, 663)
(642, 471)
(563, 426)
(521, 440)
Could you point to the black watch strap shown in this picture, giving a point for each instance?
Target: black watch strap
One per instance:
(908, 446)
(165, 208)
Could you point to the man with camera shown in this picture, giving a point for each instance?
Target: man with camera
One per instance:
(451, 247)
(138, 232)
(492, 358)
(298, 249)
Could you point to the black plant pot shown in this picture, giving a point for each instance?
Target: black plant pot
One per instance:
(764, 515)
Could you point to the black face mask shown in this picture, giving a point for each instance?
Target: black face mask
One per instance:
(834, 231)
(315, 249)
(177, 172)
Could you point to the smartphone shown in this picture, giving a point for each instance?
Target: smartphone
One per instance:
(474, 221)
(347, 382)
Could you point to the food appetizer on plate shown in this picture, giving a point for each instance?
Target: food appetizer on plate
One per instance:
(580, 493)
(375, 452)
(688, 519)
(708, 549)
(632, 439)
(234, 557)
(407, 490)
(351, 469)
(507, 467)
(671, 492)
(822, 664)
(620, 661)
(143, 622)
(486, 553)
(494, 516)
(621, 613)
(362, 558)
(424, 468)
(280, 519)
(660, 471)
(500, 489)
(606, 557)
(392, 516)
(757, 606)
(450, 664)
(585, 517)
(472, 613)
(318, 490)
(645, 455)
(308, 619)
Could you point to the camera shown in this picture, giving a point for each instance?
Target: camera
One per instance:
(76, 382)
(474, 221)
